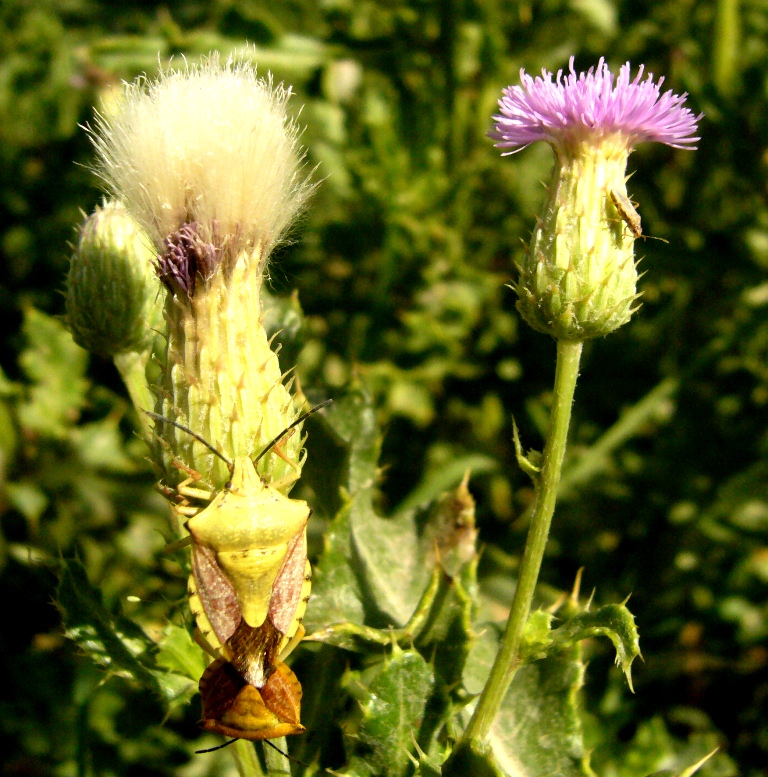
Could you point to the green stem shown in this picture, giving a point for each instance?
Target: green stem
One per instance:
(726, 47)
(132, 368)
(508, 659)
(277, 764)
(245, 759)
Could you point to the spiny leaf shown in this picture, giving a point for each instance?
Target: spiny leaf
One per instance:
(538, 729)
(375, 564)
(392, 704)
(391, 558)
(360, 638)
(113, 642)
(353, 420)
(447, 634)
(116, 643)
(614, 621)
(179, 653)
(336, 593)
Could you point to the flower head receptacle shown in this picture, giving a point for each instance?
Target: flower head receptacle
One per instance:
(207, 161)
(578, 279)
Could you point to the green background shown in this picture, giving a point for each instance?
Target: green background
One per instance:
(401, 265)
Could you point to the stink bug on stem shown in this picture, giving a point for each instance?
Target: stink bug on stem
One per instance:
(250, 576)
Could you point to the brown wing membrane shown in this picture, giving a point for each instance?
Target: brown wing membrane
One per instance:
(287, 591)
(217, 594)
(254, 652)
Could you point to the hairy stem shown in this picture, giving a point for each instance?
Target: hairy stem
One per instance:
(508, 659)
(132, 368)
(277, 764)
(245, 759)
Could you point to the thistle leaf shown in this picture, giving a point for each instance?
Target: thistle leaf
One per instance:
(114, 642)
(538, 729)
(392, 698)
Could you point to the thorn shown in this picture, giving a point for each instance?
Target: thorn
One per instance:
(577, 586)
(691, 770)
(557, 604)
(628, 675)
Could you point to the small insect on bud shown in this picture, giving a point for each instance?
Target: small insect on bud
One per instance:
(113, 295)
(578, 279)
(630, 216)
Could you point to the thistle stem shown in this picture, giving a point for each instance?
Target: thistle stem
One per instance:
(132, 368)
(508, 659)
(245, 759)
(277, 764)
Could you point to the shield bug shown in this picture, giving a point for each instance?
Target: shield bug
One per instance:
(250, 576)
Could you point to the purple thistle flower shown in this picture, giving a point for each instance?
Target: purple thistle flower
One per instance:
(588, 106)
(186, 257)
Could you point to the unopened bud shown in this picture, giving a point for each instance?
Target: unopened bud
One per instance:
(113, 300)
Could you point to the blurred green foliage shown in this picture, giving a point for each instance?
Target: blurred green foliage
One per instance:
(400, 267)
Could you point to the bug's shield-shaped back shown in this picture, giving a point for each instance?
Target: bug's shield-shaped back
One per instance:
(251, 527)
(235, 708)
(252, 651)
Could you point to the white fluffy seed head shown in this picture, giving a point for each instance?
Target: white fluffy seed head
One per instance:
(209, 144)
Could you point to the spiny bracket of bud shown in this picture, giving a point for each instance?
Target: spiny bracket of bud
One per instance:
(578, 279)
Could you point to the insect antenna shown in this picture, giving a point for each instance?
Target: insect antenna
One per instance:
(156, 417)
(266, 741)
(288, 428)
(214, 749)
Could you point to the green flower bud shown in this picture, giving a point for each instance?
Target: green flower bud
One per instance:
(220, 376)
(579, 278)
(113, 295)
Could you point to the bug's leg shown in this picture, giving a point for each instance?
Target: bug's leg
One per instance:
(194, 493)
(289, 479)
(278, 450)
(206, 645)
(186, 510)
(174, 546)
(184, 489)
(292, 643)
(165, 491)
